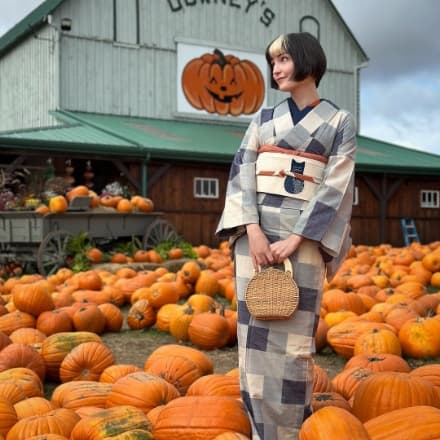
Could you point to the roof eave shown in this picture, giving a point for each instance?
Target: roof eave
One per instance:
(28, 25)
(72, 147)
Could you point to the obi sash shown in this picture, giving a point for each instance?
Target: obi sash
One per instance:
(289, 173)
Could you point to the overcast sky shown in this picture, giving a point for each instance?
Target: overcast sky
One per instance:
(400, 88)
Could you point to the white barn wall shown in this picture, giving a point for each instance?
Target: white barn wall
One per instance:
(99, 75)
(29, 83)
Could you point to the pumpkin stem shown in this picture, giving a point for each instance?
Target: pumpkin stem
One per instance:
(221, 58)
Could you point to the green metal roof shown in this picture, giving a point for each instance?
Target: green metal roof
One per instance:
(183, 140)
(28, 25)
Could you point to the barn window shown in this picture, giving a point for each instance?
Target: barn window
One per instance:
(126, 21)
(429, 198)
(309, 24)
(206, 188)
(356, 196)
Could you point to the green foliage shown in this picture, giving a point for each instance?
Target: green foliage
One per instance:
(77, 248)
(165, 246)
(128, 247)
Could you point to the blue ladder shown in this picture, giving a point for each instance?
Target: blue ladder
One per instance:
(409, 230)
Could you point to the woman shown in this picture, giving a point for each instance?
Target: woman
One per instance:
(289, 195)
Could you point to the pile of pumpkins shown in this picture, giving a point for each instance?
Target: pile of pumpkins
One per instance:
(380, 311)
(60, 203)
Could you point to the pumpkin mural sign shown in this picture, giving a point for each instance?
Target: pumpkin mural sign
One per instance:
(223, 84)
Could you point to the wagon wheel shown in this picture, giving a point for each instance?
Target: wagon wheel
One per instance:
(52, 252)
(157, 232)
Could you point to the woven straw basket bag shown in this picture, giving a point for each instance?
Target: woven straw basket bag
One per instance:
(272, 293)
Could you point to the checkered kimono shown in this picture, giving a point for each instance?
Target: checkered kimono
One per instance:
(275, 357)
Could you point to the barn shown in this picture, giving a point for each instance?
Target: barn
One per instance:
(104, 90)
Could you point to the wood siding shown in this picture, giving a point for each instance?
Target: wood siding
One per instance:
(196, 219)
(103, 75)
(29, 83)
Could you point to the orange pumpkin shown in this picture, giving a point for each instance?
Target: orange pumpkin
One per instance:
(42, 209)
(58, 204)
(124, 205)
(223, 84)
(80, 190)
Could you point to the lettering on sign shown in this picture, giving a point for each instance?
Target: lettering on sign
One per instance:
(267, 15)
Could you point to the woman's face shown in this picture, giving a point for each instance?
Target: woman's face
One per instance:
(283, 72)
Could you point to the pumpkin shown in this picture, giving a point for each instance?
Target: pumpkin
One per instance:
(22, 355)
(33, 298)
(342, 337)
(11, 391)
(142, 390)
(54, 321)
(420, 337)
(15, 320)
(201, 302)
(33, 406)
(175, 253)
(165, 314)
(177, 370)
(8, 415)
(201, 359)
(430, 372)
(132, 434)
(109, 201)
(329, 398)
(201, 417)
(95, 255)
(113, 315)
(334, 300)
(223, 84)
(321, 380)
(180, 322)
(231, 436)
(209, 330)
(332, 422)
(42, 209)
(79, 190)
(386, 391)
(89, 318)
(163, 292)
(378, 341)
(110, 422)
(58, 204)
(112, 373)
(346, 381)
(207, 283)
(55, 347)
(379, 362)
(79, 393)
(416, 422)
(141, 315)
(58, 421)
(86, 361)
(124, 205)
(144, 204)
(26, 379)
(215, 385)
(5, 340)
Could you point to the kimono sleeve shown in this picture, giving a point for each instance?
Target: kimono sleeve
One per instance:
(326, 218)
(241, 200)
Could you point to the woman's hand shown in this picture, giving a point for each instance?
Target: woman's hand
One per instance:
(259, 247)
(283, 249)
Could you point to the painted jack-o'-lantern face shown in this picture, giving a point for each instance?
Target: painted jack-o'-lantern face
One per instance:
(223, 84)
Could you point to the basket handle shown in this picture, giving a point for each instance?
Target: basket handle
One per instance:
(288, 266)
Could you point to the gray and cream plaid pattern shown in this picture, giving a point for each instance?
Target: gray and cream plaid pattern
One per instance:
(275, 357)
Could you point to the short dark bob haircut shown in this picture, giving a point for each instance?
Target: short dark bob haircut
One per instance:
(307, 54)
